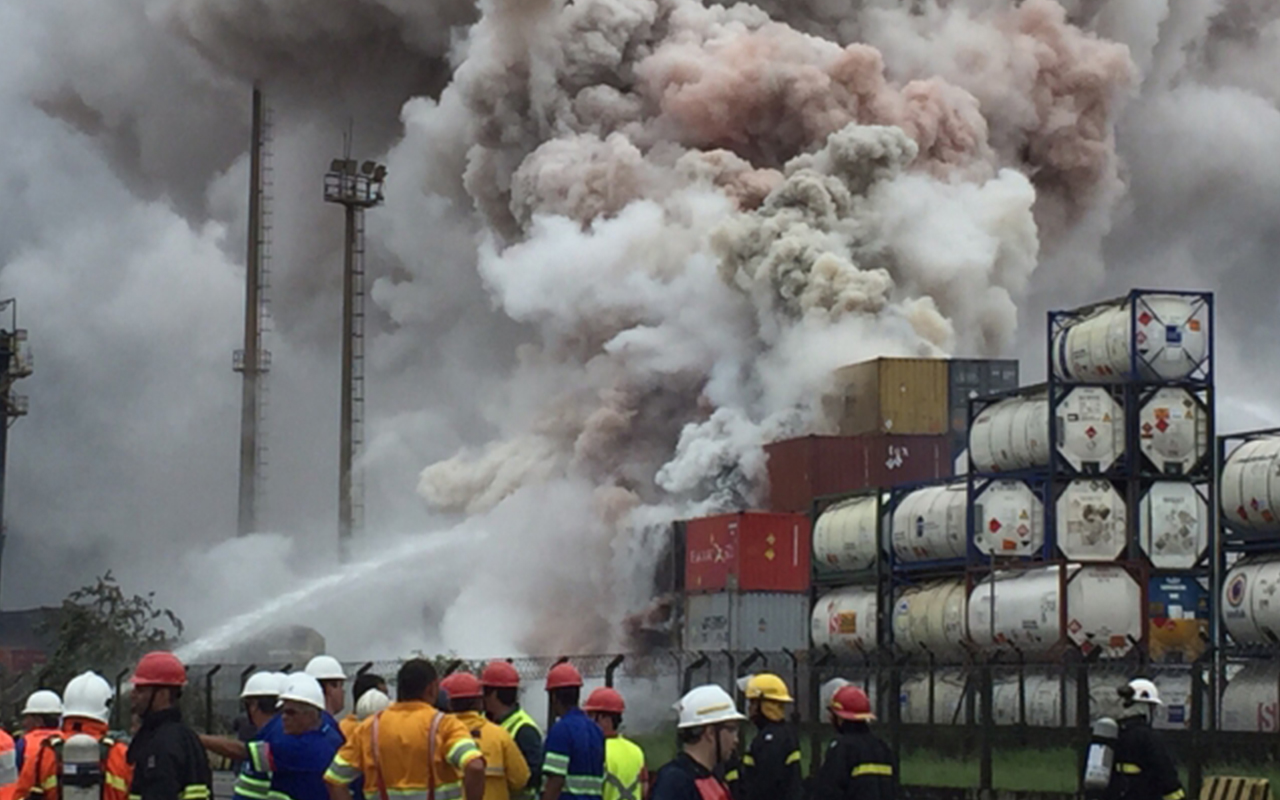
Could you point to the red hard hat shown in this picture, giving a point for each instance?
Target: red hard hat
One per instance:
(500, 675)
(462, 686)
(160, 669)
(605, 700)
(563, 676)
(851, 703)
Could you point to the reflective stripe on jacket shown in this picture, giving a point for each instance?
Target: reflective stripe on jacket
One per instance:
(624, 769)
(528, 737)
(505, 770)
(575, 751)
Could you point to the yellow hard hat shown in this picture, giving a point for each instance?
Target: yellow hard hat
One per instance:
(767, 687)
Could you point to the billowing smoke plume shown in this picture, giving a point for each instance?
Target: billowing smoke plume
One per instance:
(625, 243)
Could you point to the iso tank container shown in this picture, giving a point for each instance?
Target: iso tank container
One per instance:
(1008, 520)
(968, 378)
(809, 467)
(745, 621)
(846, 620)
(846, 536)
(906, 396)
(1173, 431)
(1013, 434)
(1026, 609)
(1251, 601)
(1158, 337)
(930, 524)
(1173, 528)
(1043, 700)
(1250, 484)
(1178, 608)
(950, 702)
(1249, 701)
(750, 551)
(1092, 521)
(932, 619)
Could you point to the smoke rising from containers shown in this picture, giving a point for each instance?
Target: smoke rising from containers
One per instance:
(610, 268)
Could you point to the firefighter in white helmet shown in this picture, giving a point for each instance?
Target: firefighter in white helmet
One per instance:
(260, 697)
(295, 760)
(1144, 768)
(708, 733)
(81, 761)
(40, 720)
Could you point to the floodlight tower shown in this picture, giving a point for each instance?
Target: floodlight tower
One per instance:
(15, 363)
(356, 187)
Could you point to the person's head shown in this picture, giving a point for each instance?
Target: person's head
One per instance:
(333, 680)
(88, 696)
(501, 685)
(366, 682)
(564, 687)
(157, 683)
(260, 696)
(417, 680)
(708, 726)
(605, 707)
(302, 703)
(43, 709)
(371, 702)
(850, 708)
(767, 697)
(1139, 697)
(465, 692)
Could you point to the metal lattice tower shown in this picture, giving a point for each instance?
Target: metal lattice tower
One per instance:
(356, 187)
(254, 361)
(15, 364)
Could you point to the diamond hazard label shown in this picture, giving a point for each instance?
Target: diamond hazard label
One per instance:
(1023, 530)
(994, 526)
(1144, 318)
(1146, 427)
(1141, 337)
(1074, 626)
(1162, 425)
(1091, 432)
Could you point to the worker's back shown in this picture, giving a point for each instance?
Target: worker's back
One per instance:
(41, 781)
(858, 765)
(168, 760)
(625, 774)
(505, 769)
(1144, 768)
(575, 751)
(8, 765)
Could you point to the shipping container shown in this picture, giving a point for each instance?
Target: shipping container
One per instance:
(815, 466)
(751, 551)
(741, 621)
(974, 377)
(906, 396)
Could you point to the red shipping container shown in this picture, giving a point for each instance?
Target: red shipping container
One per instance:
(764, 552)
(814, 466)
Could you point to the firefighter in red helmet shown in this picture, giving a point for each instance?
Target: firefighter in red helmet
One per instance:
(167, 759)
(858, 764)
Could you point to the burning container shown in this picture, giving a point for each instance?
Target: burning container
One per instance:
(813, 466)
(891, 395)
(751, 551)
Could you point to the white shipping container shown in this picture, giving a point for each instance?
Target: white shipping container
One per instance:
(1173, 529)
(846, 535)
(1013, 434)
(1170, 333)
(1250, 482)
(1173, 431)
(929, 524)
(746, 620)
(1092, 521)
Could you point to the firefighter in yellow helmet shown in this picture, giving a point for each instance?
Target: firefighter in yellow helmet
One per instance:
(770, 769)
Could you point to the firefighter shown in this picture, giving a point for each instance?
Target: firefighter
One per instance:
(40, 718)
(501, 685)
(770, 770)
(371, 702)
(625, 776)
(364, 683)
(411, 748)
(8, 765)
(1144, 768)
(573, 766)
(294, 762)
(708, 733)
(86, 713)
(858, 765)
(167, 759)
(506, 771)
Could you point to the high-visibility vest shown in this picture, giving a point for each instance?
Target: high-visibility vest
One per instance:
(623, 769)
(516, 722)
(8, 766)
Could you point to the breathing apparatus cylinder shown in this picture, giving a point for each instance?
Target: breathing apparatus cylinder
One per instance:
(80, 769)
(1101, 757)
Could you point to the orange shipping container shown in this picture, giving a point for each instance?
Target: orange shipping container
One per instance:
(814, 466)
(751, 551)
(905, 396)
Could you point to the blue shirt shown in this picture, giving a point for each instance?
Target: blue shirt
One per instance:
(296, 764)
(253, 783)
(575, 751)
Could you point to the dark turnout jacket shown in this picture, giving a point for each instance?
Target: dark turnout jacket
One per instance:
(858, 766)
(168, 761)
(770, 769)
(1144, 768)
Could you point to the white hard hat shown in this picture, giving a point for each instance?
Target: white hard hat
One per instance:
(370, 703)
(263, 684)
(88, 695)
(303, 688)
(325, 668)
(828, 690)
(43, 703)
(1141, 690)
(706, 705)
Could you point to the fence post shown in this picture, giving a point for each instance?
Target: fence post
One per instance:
(987, 731)
(244, 674)
(208, 697)
(119, 707)
(815, 688)
(1195, 758)
(368, 665)
(612, 668)
(688, 672)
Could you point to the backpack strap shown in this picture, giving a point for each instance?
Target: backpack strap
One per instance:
(431, 754)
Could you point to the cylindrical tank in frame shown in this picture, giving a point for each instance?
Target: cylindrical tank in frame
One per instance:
(929, 524)
(1043, 699)
(1173, 526)
(1008, 520)
(932, 619)
(1250, 483)
(1170, 333)
(1249, 701)
(845, 620)
(1092, 521)
(1173, 431)
(1178, 606)
(949, 702)
(1251, 601)
(1013, 434)
(846, 535)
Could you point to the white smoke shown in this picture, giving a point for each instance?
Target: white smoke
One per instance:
(625, 243)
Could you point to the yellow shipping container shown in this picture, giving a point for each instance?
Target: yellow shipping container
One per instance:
(891, 395)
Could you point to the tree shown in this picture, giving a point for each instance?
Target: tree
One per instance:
(99, 627)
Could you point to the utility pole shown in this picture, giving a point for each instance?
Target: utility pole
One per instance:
(15, 363)
(356, 187)
(254, 360)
